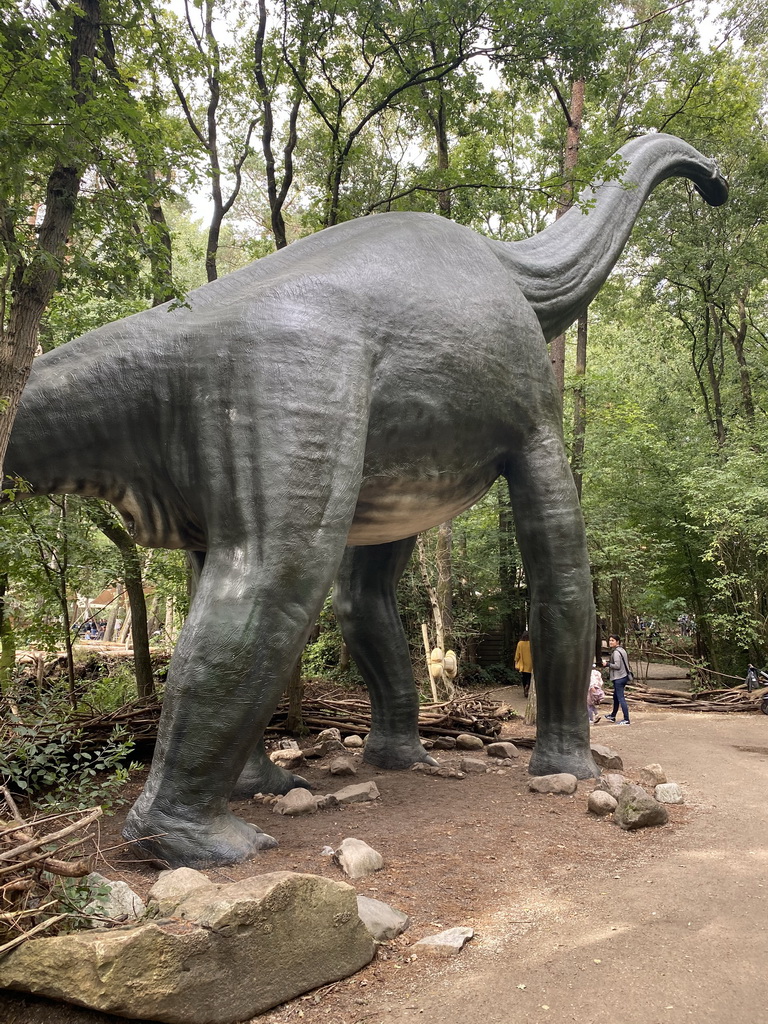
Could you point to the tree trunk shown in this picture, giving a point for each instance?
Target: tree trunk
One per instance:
(444, 561)
(134, 585)
(170, 631)
(530, 707)
(294, 723)
(617, 608)
(507, 579)
(160, 249)
(737, 338)
(432, 594)
(114, 614)
(35, 280)
(7, 638)
(579, 404)
(574, 114)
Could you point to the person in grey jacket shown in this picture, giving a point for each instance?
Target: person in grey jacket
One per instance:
(618, 667)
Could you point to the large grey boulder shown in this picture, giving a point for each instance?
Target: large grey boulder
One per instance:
(652, 775)
(638, 809)
(296, 801)
(231, 952)
(289, 758)
(669, 793)
(359, 793)
(502, 749)
(612, 783)
(173, 887)
(342, 766)
(468, 741)
(601, 803)
(357, 859)
(382, 921)
(604, 757)
(562, 783)
(447, 943)
(112, 899)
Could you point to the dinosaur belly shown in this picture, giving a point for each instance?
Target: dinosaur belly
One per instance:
(390, 509)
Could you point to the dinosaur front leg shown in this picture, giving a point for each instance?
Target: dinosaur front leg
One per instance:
(251, 615)
(552, 540)
(260, 775)
(365, 605)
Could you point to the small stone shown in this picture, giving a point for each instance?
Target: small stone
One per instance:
(268, 799)
(357, 859)
(447, 943)
(501, 750)
(669, 793)
(428, 744)
(329, 734)
(467, 741)
(289, 758)
(286, 744)
(444, 743)
(637, 809)
(316, 750)
(601, 803)
(562, 783)
(324, 802)
(473, 766)
(382, 921)
(604, 757)
(508, 730)
(353, 742)
(342, 766)
(115, 900)
(652, 775)
(296, 801)
(172, 887)
(331, 746)
(612, 783)
(441, 770)
(358, 793)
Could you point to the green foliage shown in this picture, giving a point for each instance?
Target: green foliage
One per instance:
(52, 767)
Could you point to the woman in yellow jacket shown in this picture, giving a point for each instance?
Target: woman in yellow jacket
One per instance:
(523, 662)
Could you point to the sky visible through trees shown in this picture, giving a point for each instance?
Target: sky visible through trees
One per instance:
(195, 137)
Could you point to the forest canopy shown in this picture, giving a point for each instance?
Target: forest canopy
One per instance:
(147, 148)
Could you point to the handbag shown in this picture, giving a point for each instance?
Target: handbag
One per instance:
(630, 673)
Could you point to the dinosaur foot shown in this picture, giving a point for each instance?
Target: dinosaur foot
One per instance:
(260, 775)
(202, 843)
(550, 761)
(395, 753)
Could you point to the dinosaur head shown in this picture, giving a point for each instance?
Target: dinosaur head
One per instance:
(712, 187)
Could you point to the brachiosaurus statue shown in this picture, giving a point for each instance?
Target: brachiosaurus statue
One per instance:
(302, 420)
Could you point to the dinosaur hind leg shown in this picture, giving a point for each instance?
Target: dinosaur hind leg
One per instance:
(365, 605)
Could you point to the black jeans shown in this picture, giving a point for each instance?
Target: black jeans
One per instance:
(619, 700)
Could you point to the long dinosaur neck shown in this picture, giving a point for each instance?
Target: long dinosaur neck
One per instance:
(561, 269)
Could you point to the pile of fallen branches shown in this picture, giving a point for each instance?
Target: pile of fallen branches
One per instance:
(464, 713)
(34, 856)
(474, 713)
(734, 698)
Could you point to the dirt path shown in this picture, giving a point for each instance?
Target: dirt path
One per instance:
(681, 936)
(575, 920)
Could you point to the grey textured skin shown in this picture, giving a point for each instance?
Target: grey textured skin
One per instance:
(303, 421)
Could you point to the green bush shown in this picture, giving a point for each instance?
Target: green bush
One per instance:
(55, 769)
